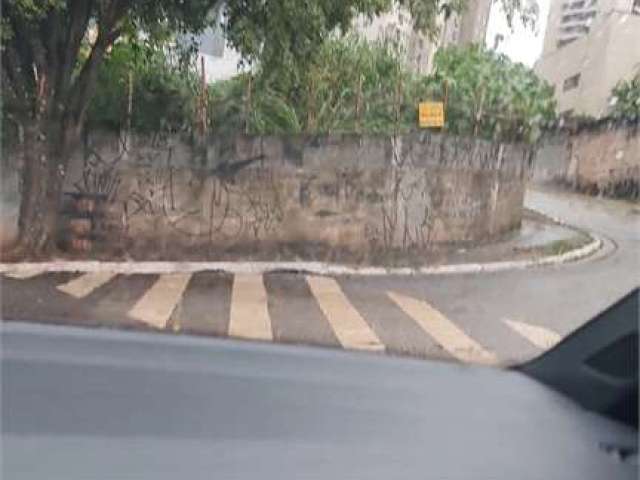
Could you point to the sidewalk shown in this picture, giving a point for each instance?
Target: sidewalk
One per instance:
(538, 237)
(540, 241)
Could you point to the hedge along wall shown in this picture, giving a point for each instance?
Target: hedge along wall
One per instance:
(297, 196)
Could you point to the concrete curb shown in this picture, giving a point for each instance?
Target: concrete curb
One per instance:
(315, 268)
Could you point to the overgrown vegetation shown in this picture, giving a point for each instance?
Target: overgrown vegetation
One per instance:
(358, 87)
(162, 91)
(491, 96)
(626, 100)
(353, 86)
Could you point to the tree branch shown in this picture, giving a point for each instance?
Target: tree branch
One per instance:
(79, 16)
(13, 71)
(108, 32)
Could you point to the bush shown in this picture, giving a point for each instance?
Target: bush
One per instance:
(351, 86)
(355, 86)
(491, 96)
(626, 100)
(164, 93)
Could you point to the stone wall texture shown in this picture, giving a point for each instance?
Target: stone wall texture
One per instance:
(603, 160)
(161, 198)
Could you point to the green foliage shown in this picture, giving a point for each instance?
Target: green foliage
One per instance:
(307, 79)
(163, 91)
(288, 35)
(626, 100)
(354, 86)
(325, 99)
(285, 37)
(491, 96)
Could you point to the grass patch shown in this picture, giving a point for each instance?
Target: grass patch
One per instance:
(560, 247)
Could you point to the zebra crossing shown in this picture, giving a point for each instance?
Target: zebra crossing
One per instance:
(444, 331)
(288, 308)
(157, 304)
(249, 315)
(349, 326)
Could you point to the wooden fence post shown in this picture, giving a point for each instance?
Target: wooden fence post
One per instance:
(203, 101)
(247, 106)
(359, 103)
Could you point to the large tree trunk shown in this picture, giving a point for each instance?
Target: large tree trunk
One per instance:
(44, 166)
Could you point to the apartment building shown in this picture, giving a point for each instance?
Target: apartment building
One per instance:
(589, 46)
(419, 50)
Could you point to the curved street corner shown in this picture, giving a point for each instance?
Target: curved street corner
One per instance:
(501, 317)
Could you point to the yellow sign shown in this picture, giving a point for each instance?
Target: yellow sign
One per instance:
(431, 114)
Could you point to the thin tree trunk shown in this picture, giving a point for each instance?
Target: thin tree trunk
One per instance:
(44, 166)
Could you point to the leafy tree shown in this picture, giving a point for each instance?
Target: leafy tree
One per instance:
(51, 54)
(626, 100)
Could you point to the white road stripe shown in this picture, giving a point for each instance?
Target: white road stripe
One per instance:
(85, 284)
(23, 275)
(249, 315)
(541, 337)
(444, 331)
(348, 325)
(157, 304)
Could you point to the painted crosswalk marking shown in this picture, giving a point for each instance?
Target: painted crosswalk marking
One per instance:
(249, 315)
(350, 328)
(85, 284)
(444, 331)
(541, 337)
(157, 304)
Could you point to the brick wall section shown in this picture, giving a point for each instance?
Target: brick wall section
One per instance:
(600, 160)
(606, 161)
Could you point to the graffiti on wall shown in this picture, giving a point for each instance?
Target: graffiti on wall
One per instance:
(420, 193)
(192, 202)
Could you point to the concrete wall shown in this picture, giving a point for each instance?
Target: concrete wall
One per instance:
(600, 160)
(300, 194)
(552, 158)
(606, 161)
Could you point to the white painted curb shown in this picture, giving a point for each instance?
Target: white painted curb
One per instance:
(316, 268)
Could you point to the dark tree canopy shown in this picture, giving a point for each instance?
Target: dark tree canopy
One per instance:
(43, 70)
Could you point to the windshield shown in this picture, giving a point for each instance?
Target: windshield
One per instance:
(452, 181)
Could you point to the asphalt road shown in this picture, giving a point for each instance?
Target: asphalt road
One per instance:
(505, 317)
(90, 404)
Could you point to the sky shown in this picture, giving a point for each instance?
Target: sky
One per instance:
(519, 44)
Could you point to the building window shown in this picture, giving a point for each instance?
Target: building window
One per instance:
(572, 17)
(575, 29)
(566, 41)
(571, 83)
